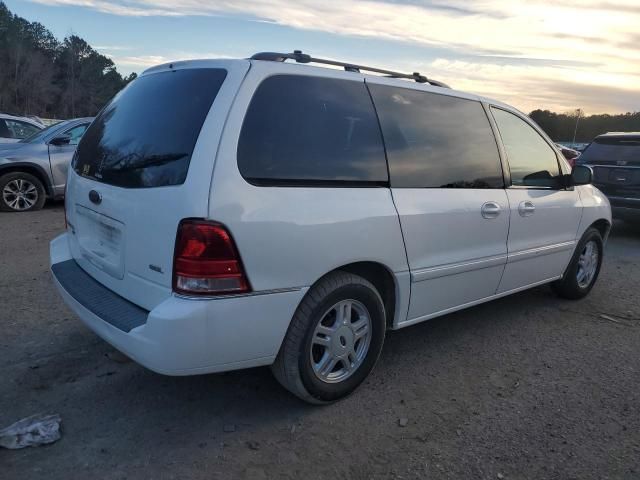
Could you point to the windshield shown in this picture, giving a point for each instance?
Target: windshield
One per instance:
(613, 150)
(40, 135)
(146, 135)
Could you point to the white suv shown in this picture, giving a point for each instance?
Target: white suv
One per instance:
(225, 214)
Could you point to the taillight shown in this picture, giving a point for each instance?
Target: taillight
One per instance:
(206, 260)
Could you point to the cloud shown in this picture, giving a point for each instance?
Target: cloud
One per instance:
(142, 62)
(586, 40)
(112, 48)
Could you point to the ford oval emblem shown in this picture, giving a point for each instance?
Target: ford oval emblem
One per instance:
(95, 197)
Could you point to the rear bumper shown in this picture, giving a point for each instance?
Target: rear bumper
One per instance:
(186, 336)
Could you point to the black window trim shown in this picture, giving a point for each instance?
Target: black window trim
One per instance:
(503, 151)
(315, 183)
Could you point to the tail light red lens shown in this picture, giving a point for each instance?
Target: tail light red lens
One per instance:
(206, 260)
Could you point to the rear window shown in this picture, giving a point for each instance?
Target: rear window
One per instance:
(303, 130)
(437, 141)
(612, 150)
(146, 135)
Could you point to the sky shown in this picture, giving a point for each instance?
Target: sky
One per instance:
(551, 54)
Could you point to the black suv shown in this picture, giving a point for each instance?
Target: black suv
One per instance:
(615, 160)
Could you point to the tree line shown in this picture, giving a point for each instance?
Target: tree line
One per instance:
(562, 126)
(40, 75)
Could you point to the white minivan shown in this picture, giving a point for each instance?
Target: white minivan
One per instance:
(225, 214)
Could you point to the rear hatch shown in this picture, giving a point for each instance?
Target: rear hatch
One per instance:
(615, 160)
(141, 167)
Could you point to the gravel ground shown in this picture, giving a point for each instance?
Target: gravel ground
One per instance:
(529, 386)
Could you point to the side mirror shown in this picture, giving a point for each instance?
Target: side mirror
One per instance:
(61, 140)
(581, 175)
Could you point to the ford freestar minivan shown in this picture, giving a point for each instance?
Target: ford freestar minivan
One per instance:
(225, 214)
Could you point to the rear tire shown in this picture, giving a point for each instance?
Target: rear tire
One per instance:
(21, 192)
(584, 268)
(334, 339)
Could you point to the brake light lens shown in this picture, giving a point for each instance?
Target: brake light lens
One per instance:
(206, 260)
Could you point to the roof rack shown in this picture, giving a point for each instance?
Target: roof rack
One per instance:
(300, 57)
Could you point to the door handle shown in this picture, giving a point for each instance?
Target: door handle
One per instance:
(490, 210)
(526, 208)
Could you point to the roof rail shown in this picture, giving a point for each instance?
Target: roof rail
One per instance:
(300, 57)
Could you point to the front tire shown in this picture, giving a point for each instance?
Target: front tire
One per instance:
(584, 268)
(21, 192)
(334, 340)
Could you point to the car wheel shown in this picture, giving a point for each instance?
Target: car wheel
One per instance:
(21, 192)
(583, 270)
(334, 339)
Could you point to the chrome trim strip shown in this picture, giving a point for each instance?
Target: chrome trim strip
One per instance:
(239, 295)
(540, 251)
(455, 268)
(624, 167)
(625, 199)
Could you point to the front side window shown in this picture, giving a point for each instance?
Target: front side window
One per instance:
(4, 130)
(76, 133)
(533, 163)
(436, 141)
(301, 130)
(146, 135)
(20, 130)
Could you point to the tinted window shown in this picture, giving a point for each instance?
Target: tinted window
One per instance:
(302, 129)
(145, 136)
(21, 130)
(436, 141)
(532, 161)
(612, 150)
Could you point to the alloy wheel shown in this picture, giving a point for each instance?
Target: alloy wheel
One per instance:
(20, 194)
(341, 341)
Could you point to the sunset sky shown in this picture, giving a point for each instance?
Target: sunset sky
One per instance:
(558, 55)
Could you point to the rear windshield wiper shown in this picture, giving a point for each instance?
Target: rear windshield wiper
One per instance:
(129, 163)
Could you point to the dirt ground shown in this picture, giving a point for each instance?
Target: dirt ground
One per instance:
(529, 386)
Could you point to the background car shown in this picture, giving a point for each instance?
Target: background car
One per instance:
(13, 129)
(615, 160)
(36, 167)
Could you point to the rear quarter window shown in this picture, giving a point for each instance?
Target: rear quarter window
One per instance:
(301, 130)
(146, 135)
